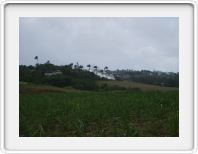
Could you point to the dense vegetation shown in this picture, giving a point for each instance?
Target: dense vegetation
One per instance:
(66, 112)
(68, 76)
(167, 79)
(77, 77)
(71, 100)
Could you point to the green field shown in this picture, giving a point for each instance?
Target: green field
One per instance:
(62, 112)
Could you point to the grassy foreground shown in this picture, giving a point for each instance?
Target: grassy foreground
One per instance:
(62, 113)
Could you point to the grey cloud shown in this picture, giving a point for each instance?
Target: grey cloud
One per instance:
(120, 43)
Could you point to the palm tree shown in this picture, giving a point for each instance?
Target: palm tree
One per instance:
(101, 71)
(77, 64)
(95, 68)
(71, 65)
(36, 58)
(80, 67)
(105, 69)
(89, 66)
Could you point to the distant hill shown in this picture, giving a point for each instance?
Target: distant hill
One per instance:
(166, 79)
(80, 77)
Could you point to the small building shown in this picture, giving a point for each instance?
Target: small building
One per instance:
(53, 73)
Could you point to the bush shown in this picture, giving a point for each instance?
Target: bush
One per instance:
(58, 80)
(85, 84)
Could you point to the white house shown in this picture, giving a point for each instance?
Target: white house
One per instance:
(53, 73)
(104, 75)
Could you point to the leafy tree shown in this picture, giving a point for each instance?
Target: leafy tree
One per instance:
(80, 67)
(89, 66)
(95, 68)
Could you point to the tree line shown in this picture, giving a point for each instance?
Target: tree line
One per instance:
(86, 77)
(168, 79)
(68, 75)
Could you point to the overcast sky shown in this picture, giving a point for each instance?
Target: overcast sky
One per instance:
(119, 43)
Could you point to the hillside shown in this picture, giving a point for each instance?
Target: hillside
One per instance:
(141, 86)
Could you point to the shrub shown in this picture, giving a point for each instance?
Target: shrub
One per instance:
(58, 80)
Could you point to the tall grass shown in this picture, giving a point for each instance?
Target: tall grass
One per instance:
(92, 114)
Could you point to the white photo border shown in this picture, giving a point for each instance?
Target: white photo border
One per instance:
(2, 69)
